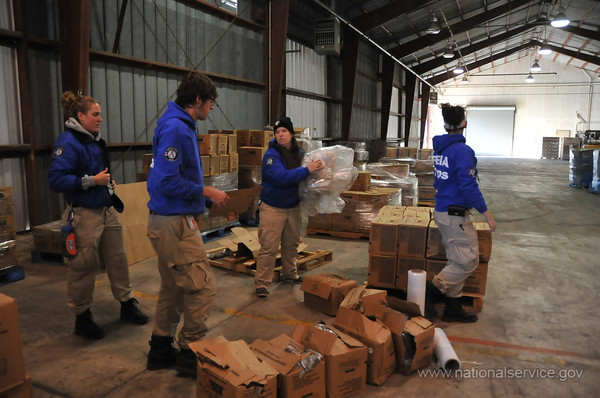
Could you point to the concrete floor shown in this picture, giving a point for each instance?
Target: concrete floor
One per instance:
(540, 311)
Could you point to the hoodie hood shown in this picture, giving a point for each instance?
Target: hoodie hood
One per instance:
(441, 142)
(73, 124)
(174, 111)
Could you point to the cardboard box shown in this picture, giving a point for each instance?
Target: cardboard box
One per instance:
(395, 321)
(476, 282)
(232, 143)
(484, 239)
(320, 221)
(208, 144)
(384, 234)
(325, 292)
(223, 164)
(222, 144)
(12, 366)
(7, 227)
(391, 152)
(433, 267)
(249, 176)
(23, 390)
(231, 369)
(403, 265)
(243, 138)
(47, 238)
(146, 162)
(381, 362)
(345, 358)
(234, 163)
(287, 355)
(215, 165)
(261, 138)
(205, 165)
(249, 155)
(7, 204)
(435, 248)
(382, 271)
(417, 350)
(8, 254)
(363, 182)
(369, 302)
(412, 237)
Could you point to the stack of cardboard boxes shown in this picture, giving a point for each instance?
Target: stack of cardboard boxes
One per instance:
(219, 152)
(14, 381)
(8, 249)
(404, 238)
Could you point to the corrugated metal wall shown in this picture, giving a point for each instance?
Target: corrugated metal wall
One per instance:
(366, 113)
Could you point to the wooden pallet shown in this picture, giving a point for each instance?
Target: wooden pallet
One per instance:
(247, 265)
(339, 234)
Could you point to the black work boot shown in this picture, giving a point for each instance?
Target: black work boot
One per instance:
(432, 296)
(162, 354)
(130, 312)
(186, 364)
(455, 313)
(86, 327)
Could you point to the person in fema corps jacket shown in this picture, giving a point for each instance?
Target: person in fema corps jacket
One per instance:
(279, 211)
(455, 180)
(177, 197)
(80, 170)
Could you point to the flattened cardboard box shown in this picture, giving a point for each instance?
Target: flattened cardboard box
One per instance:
(294, 381)
(230, 369)
(12, 366)
(381, 361)
(325, 292)
(345, 358)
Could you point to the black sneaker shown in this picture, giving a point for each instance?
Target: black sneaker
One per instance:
(262, 292)
(295, 280)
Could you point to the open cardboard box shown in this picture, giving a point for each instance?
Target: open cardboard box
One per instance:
(416, 350)
(325, 292)
(369, 302)
(345, 358)
(287, 355)
(12, 365)
(230, 369)
(381, 362)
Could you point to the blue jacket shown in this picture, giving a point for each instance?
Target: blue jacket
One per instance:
(75, 155)
(280, 185)
(175, 180)
(455, 175)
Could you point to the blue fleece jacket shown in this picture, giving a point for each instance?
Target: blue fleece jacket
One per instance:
(175, 180)
(280, 184)
(455, 175)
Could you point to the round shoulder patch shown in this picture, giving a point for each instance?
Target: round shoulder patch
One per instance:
(59, 151)
(171, 153)
(270, 161)
(473, 172)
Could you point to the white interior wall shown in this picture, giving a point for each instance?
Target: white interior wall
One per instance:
(547, 105)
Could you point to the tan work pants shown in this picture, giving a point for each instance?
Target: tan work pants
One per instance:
(99, 239)
(277, 226)
(187, 283)
(459, 238)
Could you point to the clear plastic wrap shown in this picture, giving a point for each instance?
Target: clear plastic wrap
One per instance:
(595, 185)
(320, 192)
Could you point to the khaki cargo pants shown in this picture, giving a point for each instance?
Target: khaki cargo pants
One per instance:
(459, 238)
(187, 284)
(277, 226)
(99, 239)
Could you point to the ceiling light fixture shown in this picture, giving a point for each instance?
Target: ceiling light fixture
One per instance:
(434, 26)
(459, 68)
(560, 20)
(535, 67)
(529, 78)
(449, 53)
(544, 49)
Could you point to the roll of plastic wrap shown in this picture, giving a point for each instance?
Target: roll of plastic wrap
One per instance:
(446, 357)
(415, 291)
